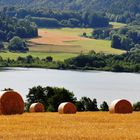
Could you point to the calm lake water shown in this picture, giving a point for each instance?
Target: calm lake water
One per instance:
(100, 85)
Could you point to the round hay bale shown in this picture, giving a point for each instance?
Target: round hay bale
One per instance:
(11, 103)
(37, 107)
(121, 106)
(67, 108)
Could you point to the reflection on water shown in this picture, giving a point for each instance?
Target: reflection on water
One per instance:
(100, 85)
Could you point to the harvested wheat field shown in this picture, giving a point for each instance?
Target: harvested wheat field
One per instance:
(80, 126)
(69, 40)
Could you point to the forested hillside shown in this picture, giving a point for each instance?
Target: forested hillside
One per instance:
(116, 10)
(112, 6)
(57, 18)
(19, 19)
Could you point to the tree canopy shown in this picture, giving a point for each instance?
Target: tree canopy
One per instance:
(16, 44)
(11, 26)
(51, 97)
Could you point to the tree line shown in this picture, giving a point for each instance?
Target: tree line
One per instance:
(124, 11)
(58, 18)
(52, 97)
(127, 62)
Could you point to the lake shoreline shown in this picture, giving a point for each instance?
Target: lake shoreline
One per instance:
(75, 70)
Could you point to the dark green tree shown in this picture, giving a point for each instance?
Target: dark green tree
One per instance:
(51, 97)
(16, 44)
(89, 105)
(57, 96)
(1, 46)
(116, 42)
(104, 106)
(49, 59)
(80, 106)
(10, 35)
(136, 106)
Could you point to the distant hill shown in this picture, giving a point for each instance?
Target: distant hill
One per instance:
(111, 6)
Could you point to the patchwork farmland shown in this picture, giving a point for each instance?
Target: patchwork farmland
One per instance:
(68, 40)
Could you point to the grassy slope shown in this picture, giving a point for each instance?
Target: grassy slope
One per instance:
(61, 52)
(56, 56)
(89, 125)
(97, 46)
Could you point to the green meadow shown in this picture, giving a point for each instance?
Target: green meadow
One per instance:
(96, 45)
(56, 56)
(69, 40)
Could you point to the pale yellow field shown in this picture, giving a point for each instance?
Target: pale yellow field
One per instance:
(68, 40)
(81, 126)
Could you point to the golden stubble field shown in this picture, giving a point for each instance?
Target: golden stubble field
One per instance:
(62, 36)
(80, 126)
(58, 36)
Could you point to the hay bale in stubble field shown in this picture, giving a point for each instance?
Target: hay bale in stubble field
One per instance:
(67, 108)
(11, 102)
(37, 107)
(121, 106)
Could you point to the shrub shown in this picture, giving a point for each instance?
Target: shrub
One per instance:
(16, 44)
(136, 106)
(104, 106)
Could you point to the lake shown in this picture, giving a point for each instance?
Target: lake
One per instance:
(94, 84)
